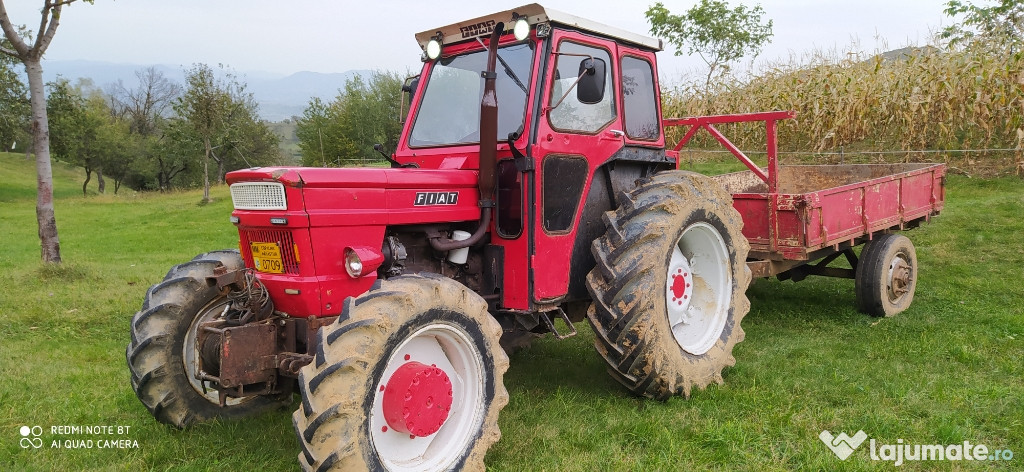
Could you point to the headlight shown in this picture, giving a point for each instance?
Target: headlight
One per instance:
(353, 264)
(433, 49)
(521, 29)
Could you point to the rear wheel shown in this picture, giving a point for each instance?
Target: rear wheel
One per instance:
(163, 356)
(886, 275)
(408, 378)
(669, 285)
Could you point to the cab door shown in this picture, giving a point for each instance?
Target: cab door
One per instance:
(575, 135)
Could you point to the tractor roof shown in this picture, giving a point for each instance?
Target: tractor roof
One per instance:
(469, 29)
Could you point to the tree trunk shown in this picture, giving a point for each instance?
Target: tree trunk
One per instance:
(45, 216)
(88, 177)
(206, 171)
(100, 183)
(117, 185)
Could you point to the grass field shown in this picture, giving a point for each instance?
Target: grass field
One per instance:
(951, 369)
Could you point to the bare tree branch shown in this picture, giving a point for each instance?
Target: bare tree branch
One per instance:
(44, 19)
(43, 40)
(11, 33)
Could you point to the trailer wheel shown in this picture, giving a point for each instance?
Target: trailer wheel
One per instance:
(669, 285)
(408, 378)
(886, 275)
(162, 354)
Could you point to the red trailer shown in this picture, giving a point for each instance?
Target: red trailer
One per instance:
(794, 215)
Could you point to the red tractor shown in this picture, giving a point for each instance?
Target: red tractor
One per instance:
(531, 184)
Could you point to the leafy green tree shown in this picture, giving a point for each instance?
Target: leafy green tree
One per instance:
(248, 141)
(1001, 24)
(222, 116)
(83, 131)
(321, 134)
(14, 104)
(205, 106)
(344, 131)
(714, 31)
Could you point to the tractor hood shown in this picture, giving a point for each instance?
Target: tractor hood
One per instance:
(369, 196)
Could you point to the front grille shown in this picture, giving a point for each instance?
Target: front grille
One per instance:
(284, 240)
(258, 196)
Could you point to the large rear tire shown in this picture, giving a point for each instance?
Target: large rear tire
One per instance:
(426, 327)
(162, 354)
(669, 285)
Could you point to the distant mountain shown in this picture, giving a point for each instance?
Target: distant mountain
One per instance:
(280, 97)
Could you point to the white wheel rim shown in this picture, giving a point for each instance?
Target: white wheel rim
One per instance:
(450, 349)
(698, 289)
(190, 352)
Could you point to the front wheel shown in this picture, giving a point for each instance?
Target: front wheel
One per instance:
(163, 356)
(669, 285)
(408, 378)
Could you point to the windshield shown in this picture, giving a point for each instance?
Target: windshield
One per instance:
(450, 110)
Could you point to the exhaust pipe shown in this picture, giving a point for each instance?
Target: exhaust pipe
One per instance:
(489, 123)
(488, 150)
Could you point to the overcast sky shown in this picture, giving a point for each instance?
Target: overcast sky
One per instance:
(284, 37)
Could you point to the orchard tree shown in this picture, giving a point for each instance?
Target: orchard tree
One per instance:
(1001, 24)
(14, 105)
(223, 117)
(321, 133)
(31, 55)
(345, 130)
(205, 106)
(714, 31)
(83, 131)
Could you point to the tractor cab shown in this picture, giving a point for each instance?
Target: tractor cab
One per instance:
(577, 120)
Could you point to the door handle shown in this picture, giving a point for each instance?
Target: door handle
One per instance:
(613, 134)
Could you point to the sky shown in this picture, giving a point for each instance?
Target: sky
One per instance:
(283, 37)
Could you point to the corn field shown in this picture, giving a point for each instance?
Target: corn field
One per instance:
(911, 100)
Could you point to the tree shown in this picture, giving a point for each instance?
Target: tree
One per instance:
(31, 57)
(14, 104)
(345, 130)
(83, 131)
(1001, 24)
(146, 105)
(205, 106)
(221, 115)
(714, 31)
(321, 133)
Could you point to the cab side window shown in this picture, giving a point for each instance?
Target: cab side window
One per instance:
(639, 101)
(572, 114)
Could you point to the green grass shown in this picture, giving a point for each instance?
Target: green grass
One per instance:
(946, 371)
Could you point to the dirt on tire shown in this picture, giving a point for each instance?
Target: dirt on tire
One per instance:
(155, 354)
(339, 386)
(629, 314)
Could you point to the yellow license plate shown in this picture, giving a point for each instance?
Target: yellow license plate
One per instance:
(267, 257)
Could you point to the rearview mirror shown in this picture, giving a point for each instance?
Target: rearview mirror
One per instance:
(408, 90)
(590, 89)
